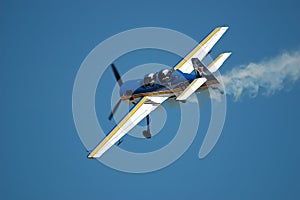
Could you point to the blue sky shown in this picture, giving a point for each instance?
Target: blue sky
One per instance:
(42, 46)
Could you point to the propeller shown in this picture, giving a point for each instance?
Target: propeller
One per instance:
(120, 82)
(117, 75)
(114, 110)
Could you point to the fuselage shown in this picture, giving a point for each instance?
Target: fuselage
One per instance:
(132, 90)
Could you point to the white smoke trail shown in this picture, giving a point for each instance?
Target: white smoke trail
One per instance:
(266, 77)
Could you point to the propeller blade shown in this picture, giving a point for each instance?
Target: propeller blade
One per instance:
(117, 75)
(114, 110)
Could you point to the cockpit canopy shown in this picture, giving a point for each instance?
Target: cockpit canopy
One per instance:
(164, 75)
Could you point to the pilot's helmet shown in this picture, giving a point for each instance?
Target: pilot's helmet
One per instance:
(149, 79)
(164, 75)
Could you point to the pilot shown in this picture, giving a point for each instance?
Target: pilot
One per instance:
(149, 80)
(164, 75)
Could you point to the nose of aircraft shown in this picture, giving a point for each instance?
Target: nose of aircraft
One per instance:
(129, 87)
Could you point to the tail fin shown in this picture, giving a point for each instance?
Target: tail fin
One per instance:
(200, 68)
(207, 72)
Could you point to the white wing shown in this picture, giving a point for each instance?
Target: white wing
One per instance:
(201, 50)
(145, 106)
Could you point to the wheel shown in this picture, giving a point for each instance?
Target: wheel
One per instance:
(147, 134)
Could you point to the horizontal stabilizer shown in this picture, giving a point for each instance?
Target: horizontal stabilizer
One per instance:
(218, 62)
(191, 89)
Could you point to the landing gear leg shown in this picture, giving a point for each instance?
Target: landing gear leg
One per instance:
(147, 133)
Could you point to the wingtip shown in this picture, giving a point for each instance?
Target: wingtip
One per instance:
(227, 53)
(224, 28)
(90, 156)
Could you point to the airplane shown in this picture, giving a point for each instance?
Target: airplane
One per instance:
(189, 76)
